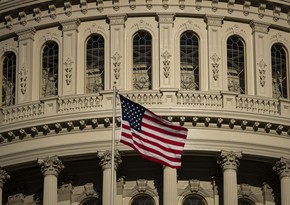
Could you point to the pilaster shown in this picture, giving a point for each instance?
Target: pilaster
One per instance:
(50, 168)
(229, 162)
(3, 178)
(117, 52)
(106, 164)
(69, 56)
(169, 186)
(166, 47)
(25, 65)
(261, 62)
(214, 27)
(282, 167)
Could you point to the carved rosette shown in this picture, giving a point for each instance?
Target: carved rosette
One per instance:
(23, 78)
(282, 167)
(262, 71)
(116, 62)
(215, 66)
(68, 70)
(166, 63)
(3, 177)
(51, 165)
(105, 159)
(229, 160)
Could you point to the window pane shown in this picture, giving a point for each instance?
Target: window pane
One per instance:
(194, 200)
(9, 79)
(95, 64)
(189, 61)
(236, 64)
(279, 71)
(143, 200)
(91, 201)
(245, 202)
(50, 70)
(142, 61)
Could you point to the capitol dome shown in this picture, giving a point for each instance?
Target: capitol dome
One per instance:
(221, 69)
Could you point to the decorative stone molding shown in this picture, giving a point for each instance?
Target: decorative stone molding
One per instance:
(68, 8)
(231, 4)
(16, 199)
(70, 126)
(245, 190)
(232, 123)
(58, 127)
(261, 10)
(46, 129)
(236, 30)
(276, 13)
(279, 129)
(259, 26)
(117, 64)
(26, 34)
(8, 47)
(229, 159)
(165, 17)
(165, 4)
(100, 5)
(262, 72)
(141, 185)
(70, 25)
(37, 14)
(214, 5)
(214, 20)
(149, 4)
(182, 4)
(215, 66)
(198, 4)
(9, 23)
(3, 177)
(11, 136)
(118, 19)
(94, 29)
(105, 159)
(279, 38)
(107, 122)
(132, 4)
(116, 5)
(68, 66)
(52, 11)
(141, 25)
(89, 190)
(256, 126)
(65, 189)
(246, 8)
(166, 63)
(288, 17)
(194, 185)
(282, 167)
(189, 26)
(22, 133)
(82, 124)
(34, 131)
(84, 6)
(23, 78)
(244, 124)
(268, 127)
(23, 18)
(50, 36)
(50, 165)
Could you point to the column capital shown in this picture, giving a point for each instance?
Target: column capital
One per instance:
(282, 167)
(165, 17)
(105, 159)
(51, 165)
(70, 24)
(27, 33)
(260, 27)
(213, 20)
(3, 177)
(229, 159)
(118, 19)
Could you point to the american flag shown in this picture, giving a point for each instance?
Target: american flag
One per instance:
(154, 138)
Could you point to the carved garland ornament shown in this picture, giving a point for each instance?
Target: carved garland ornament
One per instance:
(166, 63)
(68, 70)
(23, 78)
(215, 66)
(116, 57)
(262, 71)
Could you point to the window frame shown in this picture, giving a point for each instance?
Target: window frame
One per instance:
(140, 195)
(194, 195)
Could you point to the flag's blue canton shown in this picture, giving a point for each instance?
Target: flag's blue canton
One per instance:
(132, 113)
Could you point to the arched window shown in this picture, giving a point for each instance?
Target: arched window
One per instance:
(243, 201)
(142, 61)
(95, 64)
(91, 201)
(189, 61)
(50, 58)
(236, 64)
(194, 199)
(279, 71)
(143, 199)
(9, 79)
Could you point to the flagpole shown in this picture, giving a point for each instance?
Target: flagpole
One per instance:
(113, 148)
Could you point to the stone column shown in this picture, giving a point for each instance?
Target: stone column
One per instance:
(214, 32)
(169, 186)
(3, 178)
(105, 162)
(229, 162)
(69, 56)
(117, 50)
(26, 82)
(50, 168)
(262, 63)
(282, 167)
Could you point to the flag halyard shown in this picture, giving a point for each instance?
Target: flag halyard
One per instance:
(154, 138)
